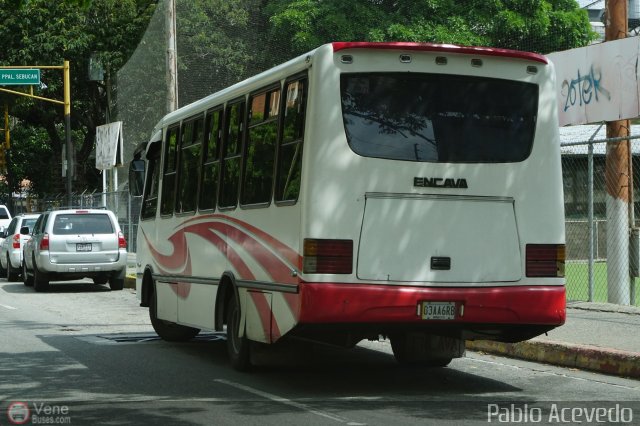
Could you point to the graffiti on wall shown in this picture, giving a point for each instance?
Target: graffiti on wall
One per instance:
(584, 89)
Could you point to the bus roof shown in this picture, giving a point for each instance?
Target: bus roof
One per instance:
(445, 48)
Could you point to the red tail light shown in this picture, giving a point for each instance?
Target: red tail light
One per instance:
(16, 241)
(44, 242)
(122, 243)
(327, 256)
(545, 260)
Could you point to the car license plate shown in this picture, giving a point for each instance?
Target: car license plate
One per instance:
(438, 310)
(83, 247)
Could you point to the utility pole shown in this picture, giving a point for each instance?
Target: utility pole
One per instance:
(172, 57)
(618, 180)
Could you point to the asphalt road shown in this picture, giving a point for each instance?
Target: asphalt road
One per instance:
(83, 355)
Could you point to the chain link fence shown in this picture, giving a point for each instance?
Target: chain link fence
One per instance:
(583, 169)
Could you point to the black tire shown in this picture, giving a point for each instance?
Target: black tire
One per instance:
(12, 274)
(40, 280)
(26, 278)
(238, 348)
(410, 351)
(167, 330)
(116, 283)
(3, 271)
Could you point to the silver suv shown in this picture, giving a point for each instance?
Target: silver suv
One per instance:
(11, 246)
(75, 244)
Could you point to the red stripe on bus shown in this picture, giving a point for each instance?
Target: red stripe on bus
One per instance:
(204, 230)
(372, 303)
(178, 258)
(445, 48)
(284, 250)
(163, 265)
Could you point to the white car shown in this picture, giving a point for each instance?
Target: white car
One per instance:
(11, 245)
(5, 217)
(75, 244)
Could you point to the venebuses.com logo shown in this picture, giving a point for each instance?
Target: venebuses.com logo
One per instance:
(38, 413)
(18, 413)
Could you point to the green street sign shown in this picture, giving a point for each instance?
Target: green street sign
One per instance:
(19, 77)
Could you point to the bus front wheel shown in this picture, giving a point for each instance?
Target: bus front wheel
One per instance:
(238, 347)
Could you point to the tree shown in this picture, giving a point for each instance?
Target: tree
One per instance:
(534, 25)
(35, 33)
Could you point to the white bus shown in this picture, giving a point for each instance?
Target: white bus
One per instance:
(405, 190)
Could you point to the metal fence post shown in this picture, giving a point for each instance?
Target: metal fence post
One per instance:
(590, 219)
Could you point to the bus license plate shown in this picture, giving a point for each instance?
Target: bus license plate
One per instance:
(83, 247)
(438, 310)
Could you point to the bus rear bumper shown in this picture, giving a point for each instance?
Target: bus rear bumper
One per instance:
(492, 311)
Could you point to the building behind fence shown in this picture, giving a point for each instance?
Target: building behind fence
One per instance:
(583, 170)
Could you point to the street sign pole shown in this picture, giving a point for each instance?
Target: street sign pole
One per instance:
(30, 76)
(67, 129)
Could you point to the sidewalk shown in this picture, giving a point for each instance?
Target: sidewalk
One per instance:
(599, 337)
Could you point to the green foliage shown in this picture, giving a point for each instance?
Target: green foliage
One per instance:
(535, 25)
(35, 33)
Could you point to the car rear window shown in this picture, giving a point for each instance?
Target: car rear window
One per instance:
(439, 118)
(77, 224)
(4, 213)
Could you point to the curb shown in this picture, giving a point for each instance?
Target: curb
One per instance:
(130, 281)
(585, 357)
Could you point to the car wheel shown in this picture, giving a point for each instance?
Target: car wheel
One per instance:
(238, 347)
(26, 278)
(12, 274)
(40, 280)
(3, 271)
(168, 330)
(116, 283)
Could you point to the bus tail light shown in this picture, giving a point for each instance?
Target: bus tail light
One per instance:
(15, 242)
(44, 242)
(327, 256)
(122, 243)
(545, 260)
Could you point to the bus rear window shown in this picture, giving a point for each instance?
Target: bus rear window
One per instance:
(439, 118)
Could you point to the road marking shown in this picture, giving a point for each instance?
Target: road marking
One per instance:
(8, 307)
(289, 402)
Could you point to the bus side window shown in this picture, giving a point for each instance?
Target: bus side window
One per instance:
(234, 125)
(169, 177)
(290, 152)
(260, 154)
(189, 171)
(211, 158)
(150, 199)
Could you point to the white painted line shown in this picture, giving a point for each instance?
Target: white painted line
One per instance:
(289, 402)
(8, 307)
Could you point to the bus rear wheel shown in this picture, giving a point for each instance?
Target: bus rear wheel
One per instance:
(168, 330)
(238, 347)
(425, 350)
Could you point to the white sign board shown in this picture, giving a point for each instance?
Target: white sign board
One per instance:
(598, 82)
(109, 147)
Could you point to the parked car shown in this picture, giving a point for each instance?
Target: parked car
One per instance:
(12, 243)
(75, 244)
(5, 218)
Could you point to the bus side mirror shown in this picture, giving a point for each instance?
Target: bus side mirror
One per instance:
(136, 177)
